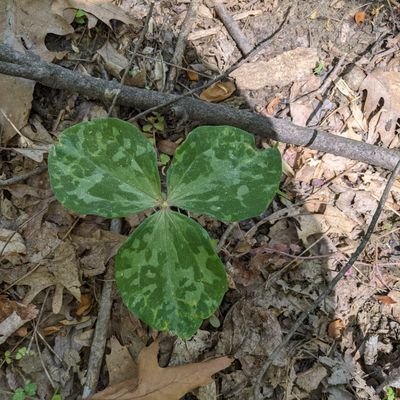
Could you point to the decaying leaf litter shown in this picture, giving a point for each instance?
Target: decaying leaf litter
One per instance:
(277, 264)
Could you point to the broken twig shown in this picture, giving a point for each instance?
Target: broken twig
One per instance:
(26, 66)
(233, 28)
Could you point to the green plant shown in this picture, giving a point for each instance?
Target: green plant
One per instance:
(154, 124)
(390, 394)
(319, 68)
(20, 353)
(167, 272)
(80, 17)
(28, 390)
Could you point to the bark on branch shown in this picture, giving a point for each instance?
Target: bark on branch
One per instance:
(26, 65)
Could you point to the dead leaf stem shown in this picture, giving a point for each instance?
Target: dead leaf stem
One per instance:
(23, 65)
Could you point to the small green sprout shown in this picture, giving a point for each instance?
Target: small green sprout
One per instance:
(390, 393)
(80, 17)
(320, 68)
(28, 390)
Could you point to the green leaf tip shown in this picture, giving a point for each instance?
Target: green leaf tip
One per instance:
(104, 167)
(218, 171)
(169, 274)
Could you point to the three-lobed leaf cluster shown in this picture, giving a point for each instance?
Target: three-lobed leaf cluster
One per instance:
(167, 272)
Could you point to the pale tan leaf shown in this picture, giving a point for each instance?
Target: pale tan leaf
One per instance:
(114, 61)
(155, 383)
(218, 91)
(24, 23)
(13, 242)
(119, 362)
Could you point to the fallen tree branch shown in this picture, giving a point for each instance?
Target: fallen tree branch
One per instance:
(31, 67)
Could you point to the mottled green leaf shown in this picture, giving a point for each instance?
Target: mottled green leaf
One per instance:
(218, 171)
(104, 167)
(169, 275)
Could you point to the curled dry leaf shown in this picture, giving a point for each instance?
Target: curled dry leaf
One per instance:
(218, 91)
(359, 17)
(114, 61)
(155, 383)
(336, 328)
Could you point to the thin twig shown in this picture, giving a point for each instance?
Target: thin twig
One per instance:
(20, 178)
(225, 236)
(181, 43)
(224, 75)
(133, 55)
(103, 318)
(305, 314)
(233, 28)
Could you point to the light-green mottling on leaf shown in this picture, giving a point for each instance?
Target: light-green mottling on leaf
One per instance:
(169, 274)
(218, 171)
(105, 167)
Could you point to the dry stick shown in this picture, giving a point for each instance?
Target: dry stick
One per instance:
(136, 48)
(103, 318)
(236, 65)
(305, 314)
(233, 28)
(181, 43)
(20, 178)
(29, 67)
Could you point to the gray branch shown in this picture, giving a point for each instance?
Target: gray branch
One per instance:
(31, 67)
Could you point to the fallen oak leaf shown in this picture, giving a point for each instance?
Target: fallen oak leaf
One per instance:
(155, 383)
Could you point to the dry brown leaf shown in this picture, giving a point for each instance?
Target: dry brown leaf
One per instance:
(218, 91)
(155, 383)
(85, 305)
(386, 300)
(167, 146)
(359, 17)
(193, 75)
(336, 328)
(381, 85)
(103, 10)
(24, 22)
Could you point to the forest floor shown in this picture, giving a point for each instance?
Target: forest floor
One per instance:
(53, 262)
